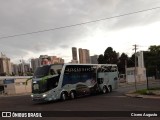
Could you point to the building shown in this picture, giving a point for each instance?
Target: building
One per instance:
(94, 59)
(5, 65)
(35, 63)
(50, 60)
(27, 68)
(84, 56)
(137, 73)
(15, 69)
(45, 59)
(22, 69)
(56, 60)
(74, 61)
(74, 55)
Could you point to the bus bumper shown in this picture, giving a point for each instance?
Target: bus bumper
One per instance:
(39, 98)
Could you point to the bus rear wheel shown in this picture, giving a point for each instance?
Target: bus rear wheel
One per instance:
(63, 96)
(109, 88)
(72, 95)
(104, 90)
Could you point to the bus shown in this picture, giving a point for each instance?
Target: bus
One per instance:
(68, 81)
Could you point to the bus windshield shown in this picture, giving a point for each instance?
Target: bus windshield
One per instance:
(44, 83)
(44, 86)
(41, 71)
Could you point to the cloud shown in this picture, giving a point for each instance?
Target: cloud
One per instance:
(21, 16)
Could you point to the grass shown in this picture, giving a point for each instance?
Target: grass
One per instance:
(156, 88)
(147, 92)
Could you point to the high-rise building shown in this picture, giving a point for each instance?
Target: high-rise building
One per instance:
(56, 60)
(74, 55)
(35, 63)
(15, 69)
(24, 68)
(45, 59)
(84, 56)
(5, 65)
(51, 59)
(94, 59)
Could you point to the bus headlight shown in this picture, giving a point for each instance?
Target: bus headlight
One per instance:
(44, 95)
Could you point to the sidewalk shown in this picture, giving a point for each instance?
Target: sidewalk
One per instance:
(124, 84)
(155, 94)
(136, 95)
(12, 95)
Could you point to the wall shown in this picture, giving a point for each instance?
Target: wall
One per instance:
(140, 76)
(16, 85)
(9, 89)
(21, 87)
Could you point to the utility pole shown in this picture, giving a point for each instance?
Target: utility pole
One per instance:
(125, 70)
(135, 70)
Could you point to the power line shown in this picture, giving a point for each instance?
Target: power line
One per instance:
(78, 24)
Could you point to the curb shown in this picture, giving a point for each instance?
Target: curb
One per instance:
(15, 95)
(142, 96)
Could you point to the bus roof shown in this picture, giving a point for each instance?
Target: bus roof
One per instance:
(90, 64)
(84, 64)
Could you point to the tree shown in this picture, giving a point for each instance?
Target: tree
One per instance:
(131, 61)
(154, 49)
(101, 59)
(152, 61)
(122, 62)
(110, 56)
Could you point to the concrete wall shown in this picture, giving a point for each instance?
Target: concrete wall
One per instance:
(18, 87)
(140, 75)
(21, 87)
(9, 89)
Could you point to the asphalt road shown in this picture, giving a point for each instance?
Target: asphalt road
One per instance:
(115, 101)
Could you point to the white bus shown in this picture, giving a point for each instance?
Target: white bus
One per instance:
(64, 81)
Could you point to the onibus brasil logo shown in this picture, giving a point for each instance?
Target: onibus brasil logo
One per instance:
(21, 114)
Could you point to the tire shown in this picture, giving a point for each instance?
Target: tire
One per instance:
(109, 89)
(104, 91)
(72, 95)
(63, 96)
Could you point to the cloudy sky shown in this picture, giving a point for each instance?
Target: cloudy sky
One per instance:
(120, 33)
